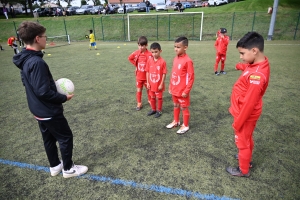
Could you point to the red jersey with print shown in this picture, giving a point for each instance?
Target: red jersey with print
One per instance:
(182, 76)
(139, 60)
(247, 92)
(221, 44)
(156, 70)
(10, 41)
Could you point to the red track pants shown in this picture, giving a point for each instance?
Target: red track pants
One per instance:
(245, 144)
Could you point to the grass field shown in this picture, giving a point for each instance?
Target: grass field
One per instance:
(132, 156)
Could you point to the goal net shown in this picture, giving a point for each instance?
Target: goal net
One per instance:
(165, 26)
(61, 40)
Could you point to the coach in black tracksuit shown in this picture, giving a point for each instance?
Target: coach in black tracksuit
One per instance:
(45, 103)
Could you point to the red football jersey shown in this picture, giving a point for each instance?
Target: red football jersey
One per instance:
(10, 41)
(156, 70)
(221, 44)
(139, 60)
(247, 92)
(182, 76)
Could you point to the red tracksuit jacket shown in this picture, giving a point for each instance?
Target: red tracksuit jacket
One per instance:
(139, 60)
(247, 92)
(221, 44)
(182, 77)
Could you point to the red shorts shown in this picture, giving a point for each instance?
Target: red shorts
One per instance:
(141, 83)
(156, 94)
(183, 102)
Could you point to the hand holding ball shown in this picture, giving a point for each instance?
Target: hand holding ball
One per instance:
(64, 86)
(86, 36)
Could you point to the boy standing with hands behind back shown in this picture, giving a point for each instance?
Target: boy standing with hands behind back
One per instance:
(139, 59)
(221, 49)
(156, 74)
(246, 98)
(181, 83)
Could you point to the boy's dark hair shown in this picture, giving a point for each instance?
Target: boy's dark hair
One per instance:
(91, 31)
(142, 40)
(251, 40)
(29, 30)
(184, 41)
(155, 45)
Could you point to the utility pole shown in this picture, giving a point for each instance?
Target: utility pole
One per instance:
(273, 19)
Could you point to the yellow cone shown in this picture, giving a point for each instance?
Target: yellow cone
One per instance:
(118, 47)
(49, 54)
(98, 54)
(124, 44)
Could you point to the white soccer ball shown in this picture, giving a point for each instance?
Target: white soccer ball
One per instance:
(64, 86)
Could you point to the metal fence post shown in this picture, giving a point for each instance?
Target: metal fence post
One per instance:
(297, 26)
(169, 27)
(65, 27)
(193, 25)
(102, 28)
(156, 27)
(253, 20)
(233, 16)
(94, 28)
(124, 28)
(15, 27)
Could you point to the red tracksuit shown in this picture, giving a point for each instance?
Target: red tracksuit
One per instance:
(181, 81)
(246, 107)
(221, 48)
(139, 60)
(156, 70)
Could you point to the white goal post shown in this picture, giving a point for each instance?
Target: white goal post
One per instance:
(59, 38)
(157, 14)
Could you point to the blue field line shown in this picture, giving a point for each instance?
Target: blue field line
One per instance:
(133, 184)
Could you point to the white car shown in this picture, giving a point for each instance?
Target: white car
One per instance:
(129, 8)
(84, 10)
(217, 2)
(161, 7)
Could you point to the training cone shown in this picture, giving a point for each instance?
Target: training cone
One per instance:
(98, 54)
(49, 54)
(118, 47)
(124, 44)
(52, 44)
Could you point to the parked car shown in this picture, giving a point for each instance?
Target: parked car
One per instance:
(161, 7)
(72, 10)
(141, 7)
(174, 7)
(198, 4)
(186, 4)
(217, 2)
(97, 10)
(84, 10)
(129, 8)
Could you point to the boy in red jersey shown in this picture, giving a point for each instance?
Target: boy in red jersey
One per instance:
(139, 59)
(156, 70)
(181, 83)
(221, 48)
(246, 98)
(12, 42)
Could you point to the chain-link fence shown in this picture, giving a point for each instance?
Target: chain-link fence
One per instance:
(168, 27)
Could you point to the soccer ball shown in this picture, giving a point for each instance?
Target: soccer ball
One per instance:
(64, 86)
(86, 36)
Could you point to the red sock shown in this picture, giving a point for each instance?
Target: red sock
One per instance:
(176, 114)
(139, 97)
(186, 116)
(159, 104)
(153, 103)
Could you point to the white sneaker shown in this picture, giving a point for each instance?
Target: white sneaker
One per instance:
(173, 124)
(76, 170)
(183, 129)
(57, 169)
